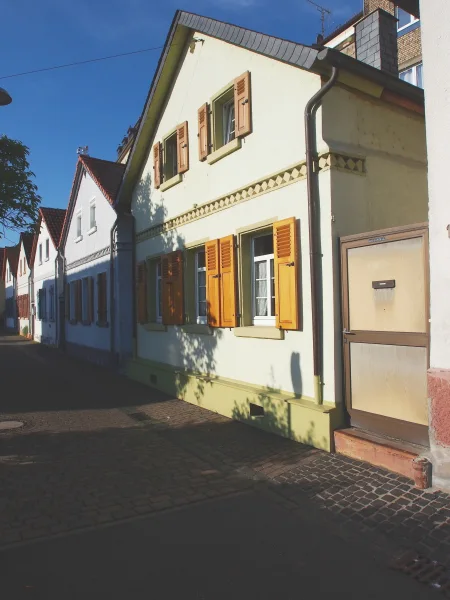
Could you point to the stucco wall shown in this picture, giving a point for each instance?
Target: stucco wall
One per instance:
(44, 278)
(10, 292)
(436, 52)
(23, 286)
(89, 335)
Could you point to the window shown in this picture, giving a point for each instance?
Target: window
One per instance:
(200, 288)
(47, 249)
(40, 254)
(224, 119)
(404, 19)
(92, 222)
(41, 304)
(79, 225)
(263, 280)
(158, 292)
(413, 75)
(51, 308)
(170, 157)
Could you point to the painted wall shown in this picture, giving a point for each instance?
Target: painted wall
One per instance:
(436, 52)
(80, 261)
(23, 286)
(44, 278)
(10, 292)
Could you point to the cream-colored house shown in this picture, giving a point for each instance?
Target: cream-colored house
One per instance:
(239, 212)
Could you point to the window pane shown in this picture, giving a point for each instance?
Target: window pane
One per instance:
(407, 76)
(272, 288)
(201, 259)
(419, 77)
(158, 269)
(228, 122)
(170, 163)
(202, 309)
(261, 270)
(263, 245)
(261, 307)
(261, 288)
(92, 224)
(404, 18)
(201, 278)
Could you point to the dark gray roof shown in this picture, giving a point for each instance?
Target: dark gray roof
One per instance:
(290, 52)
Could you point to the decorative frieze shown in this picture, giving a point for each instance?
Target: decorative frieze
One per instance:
(87, 259)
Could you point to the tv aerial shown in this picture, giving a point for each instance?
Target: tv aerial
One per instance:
(324, 13)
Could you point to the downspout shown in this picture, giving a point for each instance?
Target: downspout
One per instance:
(314, 228)
(111, 288)
(56, 307)
(29, 305)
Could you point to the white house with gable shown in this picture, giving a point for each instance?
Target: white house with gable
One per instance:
(11, 257)
(24, 283)
(44, 324)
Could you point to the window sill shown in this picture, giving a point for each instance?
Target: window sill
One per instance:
(224, 151)
(259, 331)
(92, 230)
(171, 182)
(78, 239)
(197, 328)
(154, 326)
(102, 324)
(47, 259)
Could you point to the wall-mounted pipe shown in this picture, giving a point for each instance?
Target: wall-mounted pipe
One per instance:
(111, 289)
(314, 228)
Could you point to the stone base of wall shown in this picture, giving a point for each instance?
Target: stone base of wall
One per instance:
(96, 356)
(275, 411)
(439, 411)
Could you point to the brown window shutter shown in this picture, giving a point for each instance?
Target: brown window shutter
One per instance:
(172, 288)
(79, 300)
(157, 165)
(213, 283)
(67, 301)
(102, 305)
(286, 266)
(227, 262)
(167, 300)
(243, 105)
(141, 282)
(204, 134)
(183, 147)
(90, 299)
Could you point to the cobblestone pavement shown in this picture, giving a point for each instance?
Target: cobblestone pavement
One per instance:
(97, 448)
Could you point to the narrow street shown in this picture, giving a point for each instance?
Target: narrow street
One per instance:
(113, 490)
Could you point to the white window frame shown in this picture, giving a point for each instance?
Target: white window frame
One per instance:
(84, 299)
(228, 116)
(413, 19)
(92, 225)
(414, 71)
(47, 249)
(200, 319)
(158, 272)
(72, 288)
(269, 320)
(40, 253)
(79, 235)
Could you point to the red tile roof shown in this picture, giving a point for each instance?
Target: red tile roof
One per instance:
(106, 174)
(12, 256)
(27, 239)
(54, 219)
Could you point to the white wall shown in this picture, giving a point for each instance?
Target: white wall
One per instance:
(10, 292)
(89, 335)
(435, 18)
(23, 284)
(44, 278)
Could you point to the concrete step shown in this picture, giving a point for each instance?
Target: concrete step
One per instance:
(394, 455)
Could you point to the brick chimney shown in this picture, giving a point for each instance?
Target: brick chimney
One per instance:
(376, 41)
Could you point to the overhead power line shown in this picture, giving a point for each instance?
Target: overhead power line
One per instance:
(80, 62)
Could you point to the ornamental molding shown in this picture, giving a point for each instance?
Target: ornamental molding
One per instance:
(325, 161)
(87, 259)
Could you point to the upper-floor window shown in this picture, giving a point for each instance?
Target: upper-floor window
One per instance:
(170, 162)
(79, 225)
(92, 221)
(47, 249)
(404, 19)
(40, 254)
(413, 75)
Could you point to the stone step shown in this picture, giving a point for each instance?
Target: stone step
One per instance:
(399, 457)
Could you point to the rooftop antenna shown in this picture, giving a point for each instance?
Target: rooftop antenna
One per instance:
(324, 12)
(84, 150)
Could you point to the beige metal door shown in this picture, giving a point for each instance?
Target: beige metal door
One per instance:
(385, 335)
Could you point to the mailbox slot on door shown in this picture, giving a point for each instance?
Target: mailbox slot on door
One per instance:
(384, 284)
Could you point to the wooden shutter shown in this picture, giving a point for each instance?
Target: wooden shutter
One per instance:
(102, 305)
(213, 282)
(204, 135)
(183, 147)
(141, 284)
(90, 310)
(157, 164)
(66, 301)
(286, 265)
(79, 300)
(227, 260)
(172, 288)
(243, 105)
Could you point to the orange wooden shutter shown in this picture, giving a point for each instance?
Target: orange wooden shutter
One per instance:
(286, 266)
(203, 131)
(227, 260)
(183, 147)
(166, 290)
(242, 105)
(172, 291)
(157, 164)
(213, 282)
(141, 282)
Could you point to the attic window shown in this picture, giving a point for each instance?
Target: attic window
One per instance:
(47, 249)
(78, 226)
(40, 254)
(170, 157)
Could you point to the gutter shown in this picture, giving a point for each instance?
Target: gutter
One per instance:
(314, 229)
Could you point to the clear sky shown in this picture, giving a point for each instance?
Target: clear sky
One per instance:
(55, 112)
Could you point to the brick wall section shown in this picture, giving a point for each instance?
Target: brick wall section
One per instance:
(371, 5)
(410, 48)
(376, 41)
(349, 49)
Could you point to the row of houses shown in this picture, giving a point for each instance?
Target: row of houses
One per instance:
(259, 248)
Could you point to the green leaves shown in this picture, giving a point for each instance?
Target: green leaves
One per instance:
(19, 200)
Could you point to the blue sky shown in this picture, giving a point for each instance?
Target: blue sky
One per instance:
(55, 112)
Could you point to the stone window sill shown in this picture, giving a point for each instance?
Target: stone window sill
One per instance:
(197, 328)
(255, 331)
(47, 259)
(78, 239)
(92, 230)
(154, 326)
(224, 151)
(171, 182)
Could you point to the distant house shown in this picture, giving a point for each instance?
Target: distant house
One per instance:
(10, 277)
(24, 282)
(96, 262)
(2, 288)
(44, 262)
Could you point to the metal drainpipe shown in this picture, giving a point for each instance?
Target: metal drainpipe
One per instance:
(29, 304)
(56, 300)
(314, 227)
(111, 288)
(133, 283)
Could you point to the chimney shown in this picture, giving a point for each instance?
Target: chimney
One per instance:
(376, 41)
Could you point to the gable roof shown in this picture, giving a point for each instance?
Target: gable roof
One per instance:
(184, 24)
(27, 240)
(106, 174)
(11, 256)
(54, 220)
